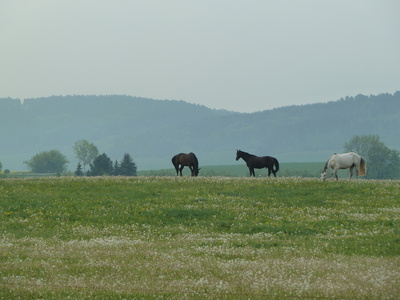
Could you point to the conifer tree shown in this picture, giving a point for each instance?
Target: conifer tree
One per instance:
(127, 166)
(116, 168)
(79, 171)
(101, 166)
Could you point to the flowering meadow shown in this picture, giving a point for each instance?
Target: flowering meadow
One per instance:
(197, 238)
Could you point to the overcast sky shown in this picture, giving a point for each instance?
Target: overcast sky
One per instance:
(238, 55)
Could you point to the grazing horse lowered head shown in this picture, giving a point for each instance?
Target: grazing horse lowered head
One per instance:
(349, 160)
(258, 162)
(186, 159)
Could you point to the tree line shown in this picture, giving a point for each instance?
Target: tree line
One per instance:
(102, 165)
(54, 161)
(382, 162)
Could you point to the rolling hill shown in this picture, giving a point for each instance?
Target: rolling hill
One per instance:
(152, 131)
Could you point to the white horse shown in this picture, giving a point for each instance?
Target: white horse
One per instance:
(345, 161)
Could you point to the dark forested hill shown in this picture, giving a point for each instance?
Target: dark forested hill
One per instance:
(152, 131)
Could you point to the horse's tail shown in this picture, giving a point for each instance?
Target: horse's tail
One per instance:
(276, 163)
(363, 167)
(173, 160)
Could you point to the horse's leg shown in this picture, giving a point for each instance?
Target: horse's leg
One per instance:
(335, 173)
(191, 170)
(176, 169)
(269, 171)
(252, 172)
(351, 172)
(181, 168)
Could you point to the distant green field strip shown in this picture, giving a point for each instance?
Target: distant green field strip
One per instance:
(310, 169)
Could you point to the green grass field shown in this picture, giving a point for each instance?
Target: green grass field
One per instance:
(308, 169)
(196, 238)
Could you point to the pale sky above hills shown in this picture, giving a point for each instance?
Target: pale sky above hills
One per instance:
(237, 55)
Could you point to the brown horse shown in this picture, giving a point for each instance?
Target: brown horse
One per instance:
(189, 160)
(258, 162)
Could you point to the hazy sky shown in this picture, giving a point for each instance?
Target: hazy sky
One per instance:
(237, 55)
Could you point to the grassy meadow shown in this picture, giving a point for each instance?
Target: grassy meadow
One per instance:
(194, 238)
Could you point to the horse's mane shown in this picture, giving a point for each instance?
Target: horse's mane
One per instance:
(326, 165)
(246, 153)
(195, 159)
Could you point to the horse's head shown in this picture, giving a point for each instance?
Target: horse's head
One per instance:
(238, 154)
(324, 175)
(195, 172)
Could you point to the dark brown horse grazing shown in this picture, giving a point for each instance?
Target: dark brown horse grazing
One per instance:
(258, 162)
(189, 160)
